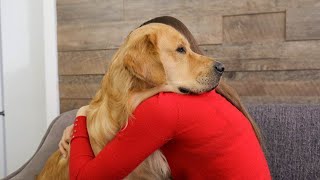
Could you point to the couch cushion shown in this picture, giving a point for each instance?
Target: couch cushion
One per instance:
(291, 135)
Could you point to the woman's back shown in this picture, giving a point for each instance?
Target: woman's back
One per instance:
(202, 137)
(206, 137)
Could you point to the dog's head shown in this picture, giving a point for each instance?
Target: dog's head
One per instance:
(158, 54)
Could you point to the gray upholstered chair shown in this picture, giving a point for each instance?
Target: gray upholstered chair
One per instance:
(291, 134)
(48, 145)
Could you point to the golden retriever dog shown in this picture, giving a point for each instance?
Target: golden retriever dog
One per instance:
(154, 58)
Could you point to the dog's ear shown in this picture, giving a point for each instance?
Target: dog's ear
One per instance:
(142, 60)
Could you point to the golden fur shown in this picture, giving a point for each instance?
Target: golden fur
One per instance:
(223, 88)
(146, 64)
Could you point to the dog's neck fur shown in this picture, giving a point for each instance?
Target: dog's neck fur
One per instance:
(113, 105)
(139, 97)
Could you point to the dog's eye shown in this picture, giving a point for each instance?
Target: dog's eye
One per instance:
(181, 50)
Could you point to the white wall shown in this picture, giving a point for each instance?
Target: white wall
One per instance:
(30, 75)
(51, 60)
(3, 164)
(2, 149)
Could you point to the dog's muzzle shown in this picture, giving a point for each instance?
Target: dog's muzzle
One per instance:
(219, 68)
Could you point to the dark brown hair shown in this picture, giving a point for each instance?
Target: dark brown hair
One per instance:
(223, 88)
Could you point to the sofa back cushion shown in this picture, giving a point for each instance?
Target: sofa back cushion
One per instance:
(292, 139)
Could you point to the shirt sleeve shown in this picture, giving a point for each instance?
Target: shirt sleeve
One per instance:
(152, 125)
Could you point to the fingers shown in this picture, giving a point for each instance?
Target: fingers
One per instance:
(62, 150)
(68, 132)
(64, 144)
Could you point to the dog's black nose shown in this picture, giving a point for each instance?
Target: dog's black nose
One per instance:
(219, 67)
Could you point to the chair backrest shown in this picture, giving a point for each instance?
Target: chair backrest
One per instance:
(48, 145)
(291, 135)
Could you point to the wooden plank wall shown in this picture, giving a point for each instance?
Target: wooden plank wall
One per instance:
(271, 48)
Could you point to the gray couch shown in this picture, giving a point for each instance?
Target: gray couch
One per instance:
(291, 135)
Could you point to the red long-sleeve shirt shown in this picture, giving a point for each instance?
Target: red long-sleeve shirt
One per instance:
(202, 137)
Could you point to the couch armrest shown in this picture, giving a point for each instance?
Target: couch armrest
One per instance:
(48, 145)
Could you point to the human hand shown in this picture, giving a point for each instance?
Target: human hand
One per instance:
(64, 144)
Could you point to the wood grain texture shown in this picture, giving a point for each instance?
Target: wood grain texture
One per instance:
(254, 28)
(93, 35)
(287, 88)
(253, 87)
(198, 8)
(270, 76)
(293, 55)
(205, 29)
(70, 104)
(84, 62)
(268, 64)
(84, 11)
(248, 36)
(106, 35)
(250, 57)
(297, 49)
(84, 86)
(303, 23)
(275, 83)
(297, 3)
(272, 83)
